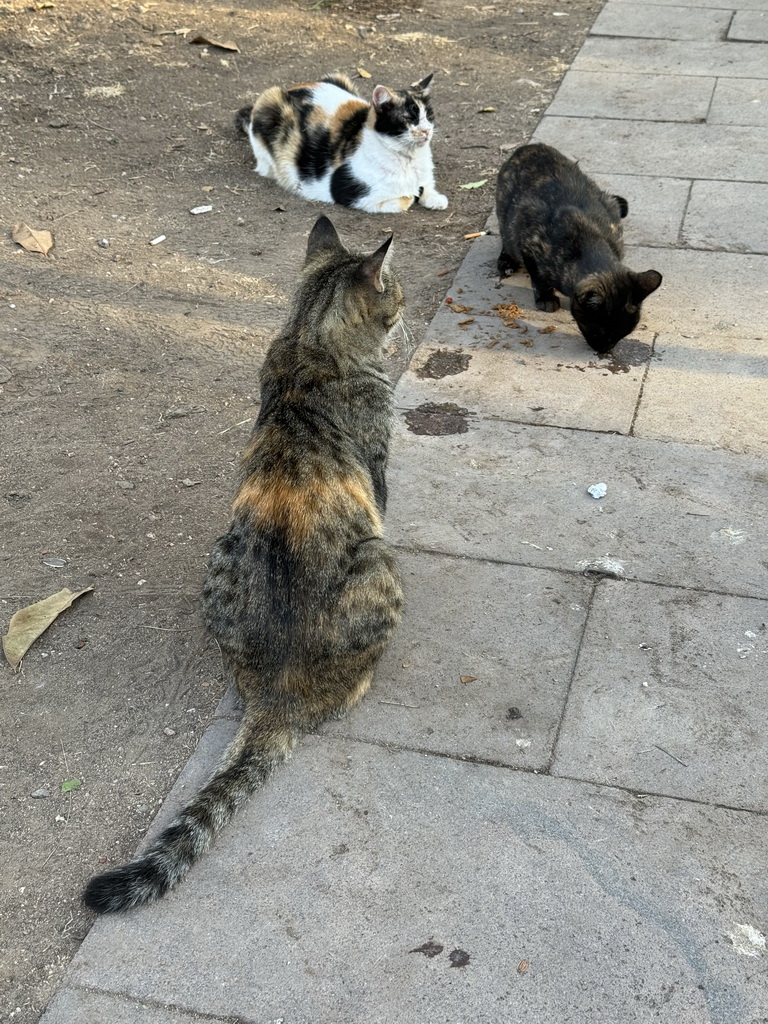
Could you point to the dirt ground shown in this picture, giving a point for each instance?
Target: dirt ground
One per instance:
(129, 372)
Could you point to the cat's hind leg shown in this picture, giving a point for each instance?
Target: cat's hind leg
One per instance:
(397, 205)
(265, 165)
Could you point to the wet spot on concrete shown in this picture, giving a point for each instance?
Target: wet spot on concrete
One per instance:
(628, 353)
(438, 418)
(513, 714)
(458, 958)
(443, 363)
(430, 948)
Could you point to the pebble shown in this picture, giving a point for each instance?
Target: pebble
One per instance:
(41, 794)
(126, 485)
(169, 732)
(104, 243)
(598, 490)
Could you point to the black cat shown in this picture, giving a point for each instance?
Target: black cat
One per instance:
(567, 232)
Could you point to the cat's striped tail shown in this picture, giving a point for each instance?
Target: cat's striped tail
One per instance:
(247, 764)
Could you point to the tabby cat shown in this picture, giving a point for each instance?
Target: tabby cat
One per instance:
(302, 593)
(567, 232)
(324, 142)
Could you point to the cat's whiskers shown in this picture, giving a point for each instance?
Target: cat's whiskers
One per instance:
(407, 335)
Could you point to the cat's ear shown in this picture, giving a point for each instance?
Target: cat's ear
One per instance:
(323, 238)
(372, 266)
(623, 206)
(381, 96)
(646, 283)
(424, 85)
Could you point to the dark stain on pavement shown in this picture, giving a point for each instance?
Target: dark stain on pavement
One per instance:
(443, 363)
(436, 419)
(458, 958)
(430, 949)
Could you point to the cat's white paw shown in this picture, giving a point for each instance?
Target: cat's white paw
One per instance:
(433, 201)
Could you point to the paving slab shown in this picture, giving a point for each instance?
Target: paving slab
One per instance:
(729, 215)
(672, 57)
(86, 1007)
(633, 97)
(656, 209)
(669, 696)
(679, 514)
(705, 292)
(722, 152)
(352, 889)
(740, 101)
(749, 26)
(647, 21)
(709, 388)
(454, 681)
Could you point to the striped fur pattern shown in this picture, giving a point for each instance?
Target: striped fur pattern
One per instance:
(302, 592)
(567, 233)
(322, 141)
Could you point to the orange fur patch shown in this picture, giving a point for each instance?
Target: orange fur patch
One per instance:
(298, 511)
(343, 113)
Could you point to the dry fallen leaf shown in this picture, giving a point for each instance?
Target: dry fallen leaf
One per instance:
(467, 679)
(31, 622)
(523, 966)
(468, 320)
(474, 184)
(31, 239)
(547, 330)
(457, 307)
(229, 45)
(363, 73)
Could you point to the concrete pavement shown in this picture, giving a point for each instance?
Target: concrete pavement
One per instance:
(553, 804)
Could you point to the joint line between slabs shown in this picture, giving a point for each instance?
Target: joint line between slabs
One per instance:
(574, 670)
(539, 772)
(436, 552)
(642, 383)
(153, 1003)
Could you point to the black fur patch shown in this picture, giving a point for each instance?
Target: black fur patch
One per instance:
(314, 154)
(346, 189)
(349, 135)
(269, 125)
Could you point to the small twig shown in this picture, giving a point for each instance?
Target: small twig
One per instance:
(670, 755)
(235, 426)
(103, 127)
(397, 704)
(141, 764)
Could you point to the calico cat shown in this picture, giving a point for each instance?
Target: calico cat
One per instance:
(302, 593)
(567, 232)
(324, 142)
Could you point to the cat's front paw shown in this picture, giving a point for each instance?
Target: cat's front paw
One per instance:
(551, 304)
(433, 200)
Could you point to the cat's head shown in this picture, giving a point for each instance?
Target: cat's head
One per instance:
(607, 306)
(344, 289)
(405, 115)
